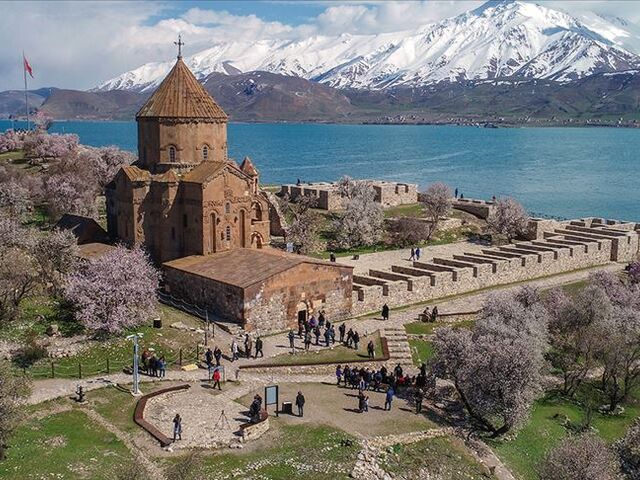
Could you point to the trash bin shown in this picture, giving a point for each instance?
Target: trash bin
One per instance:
(287, 407)
(157, 323)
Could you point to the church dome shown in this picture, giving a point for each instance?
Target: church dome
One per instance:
(181, 96)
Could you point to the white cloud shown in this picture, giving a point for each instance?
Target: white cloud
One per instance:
(81, 44)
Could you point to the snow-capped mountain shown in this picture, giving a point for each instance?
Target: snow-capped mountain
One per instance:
(501, 39)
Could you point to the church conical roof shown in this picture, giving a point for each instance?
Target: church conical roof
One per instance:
(180, 95)
(247, 167)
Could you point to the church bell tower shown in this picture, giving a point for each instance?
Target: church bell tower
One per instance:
(180, 125)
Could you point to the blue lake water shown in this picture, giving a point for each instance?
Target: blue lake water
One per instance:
(565, 172)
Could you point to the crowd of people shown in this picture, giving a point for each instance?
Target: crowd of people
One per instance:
(152, 365)
(365, 379)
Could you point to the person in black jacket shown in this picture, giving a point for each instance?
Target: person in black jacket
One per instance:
(385, 312)
(300, 404)
(258, 348)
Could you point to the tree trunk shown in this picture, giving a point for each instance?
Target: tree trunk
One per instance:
(485, 423)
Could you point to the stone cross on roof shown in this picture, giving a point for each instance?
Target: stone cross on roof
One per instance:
(179, 43)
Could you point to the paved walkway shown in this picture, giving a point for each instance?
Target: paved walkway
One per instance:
(384, 260)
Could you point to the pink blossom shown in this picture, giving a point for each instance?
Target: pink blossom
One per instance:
(115, 291)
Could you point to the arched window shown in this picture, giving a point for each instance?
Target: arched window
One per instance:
(256, 212)
(172, 154)
(227, 208)
(228, 233)
(205, 152)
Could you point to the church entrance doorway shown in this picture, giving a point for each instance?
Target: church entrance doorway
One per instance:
(302, 316)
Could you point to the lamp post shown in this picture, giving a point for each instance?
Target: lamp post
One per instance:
(136, 373)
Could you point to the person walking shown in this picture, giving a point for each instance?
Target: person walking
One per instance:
(338, 374)
(208, 358)
(418, 397)
(216, 378)
(327, 337)
(307, 340)
(434, 314)
(258, 348)
(412, 256)
(248, 345)
(292, 337)
(342, 329)
(385, 312)
(350, 337)
(418, 253)
(360, 402)
(217, 354)
(389, 398)
(234, 350)
(300, 404)
(356, 339)
(316, 333)
(371, 349)
(177, 427)
(366, 403)
(456, 193)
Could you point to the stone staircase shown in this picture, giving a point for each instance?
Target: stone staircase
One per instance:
(399, 350)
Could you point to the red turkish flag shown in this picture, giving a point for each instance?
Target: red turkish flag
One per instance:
(27, 67)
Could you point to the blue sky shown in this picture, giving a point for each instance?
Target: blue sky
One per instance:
(286, 11)
(80, 44)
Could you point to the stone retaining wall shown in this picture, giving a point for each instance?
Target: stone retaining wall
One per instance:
(569, 246)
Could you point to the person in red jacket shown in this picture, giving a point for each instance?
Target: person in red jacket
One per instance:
(216, 378)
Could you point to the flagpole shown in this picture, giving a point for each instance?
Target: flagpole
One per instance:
(26, 96)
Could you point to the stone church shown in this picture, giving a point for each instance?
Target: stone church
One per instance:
(205, 219)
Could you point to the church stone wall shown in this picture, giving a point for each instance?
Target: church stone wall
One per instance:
(273, 305)
(187, 137)
(226, 301)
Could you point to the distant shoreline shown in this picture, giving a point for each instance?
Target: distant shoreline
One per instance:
(469, 123)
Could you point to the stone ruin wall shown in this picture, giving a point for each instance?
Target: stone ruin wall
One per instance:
(557, 248)
(479, 208)
(389, 194)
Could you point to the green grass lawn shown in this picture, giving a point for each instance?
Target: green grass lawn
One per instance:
(5, 157)
(409, 210)
(301, 452)
(421, 351)
(427, 328)
(117, 404)
(66, 445)
(338, 354)
(544, 430)
(166, 341)
(442, 457)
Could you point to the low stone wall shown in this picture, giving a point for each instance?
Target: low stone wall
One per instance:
(480, 208)
(567, 247)
(320, 368)
(253, 431)
(138, 414)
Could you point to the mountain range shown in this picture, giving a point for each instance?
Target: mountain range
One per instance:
(507, 61)
(502, 39)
